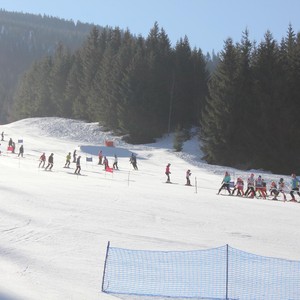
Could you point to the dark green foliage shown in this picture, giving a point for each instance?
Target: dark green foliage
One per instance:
(58, 78)
(33, 96)
(72, 96)
(250, 119)
(217, 125)
(26, 38)
(140, 88)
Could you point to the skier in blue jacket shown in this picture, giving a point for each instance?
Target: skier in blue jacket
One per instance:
(294, 187)
(225, 183)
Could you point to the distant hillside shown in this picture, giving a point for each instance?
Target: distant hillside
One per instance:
(25, 38)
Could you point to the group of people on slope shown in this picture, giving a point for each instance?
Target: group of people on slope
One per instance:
(258, 187)
(187, 175)
(104, 161)
(51, 162)
(76, 159)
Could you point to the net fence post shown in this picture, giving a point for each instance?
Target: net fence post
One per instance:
(226, 272)
(103, 276)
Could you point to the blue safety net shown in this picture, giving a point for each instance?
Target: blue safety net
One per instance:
(219, 273)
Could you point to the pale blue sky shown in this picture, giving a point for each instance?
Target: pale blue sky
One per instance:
(207, 23)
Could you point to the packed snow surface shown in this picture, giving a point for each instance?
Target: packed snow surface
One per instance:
(55, 226)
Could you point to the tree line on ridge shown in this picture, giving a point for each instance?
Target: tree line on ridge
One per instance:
(142, 88)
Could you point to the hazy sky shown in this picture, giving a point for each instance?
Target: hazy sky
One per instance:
(207, 23)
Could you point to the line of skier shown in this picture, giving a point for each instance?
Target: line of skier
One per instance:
(258, 187)
(77, 159)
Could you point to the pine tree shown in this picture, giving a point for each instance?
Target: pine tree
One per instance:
(158, 56)
(200, 89)
(58, 78)
(128, 108)
(72, 95)
(107, 82)
(91, 56)
(33, 96)
(183, 108)
(244, 111)
(289, 57)
(267, 102)
(216, 125)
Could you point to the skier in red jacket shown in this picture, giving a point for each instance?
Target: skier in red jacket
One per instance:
(168, 172)
(42, 160)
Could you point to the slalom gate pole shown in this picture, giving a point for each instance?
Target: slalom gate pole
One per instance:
(107, 249)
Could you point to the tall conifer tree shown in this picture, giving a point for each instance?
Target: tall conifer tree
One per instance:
(217, 125)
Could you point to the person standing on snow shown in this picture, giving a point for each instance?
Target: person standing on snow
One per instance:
(50, 162)
(294, 187)
(259, 187)
(74, 156)
(239, 186)
(42, 160)
(133, 161)
(187, 176)
(13, 147)
(105, 162)
(100, 156)
(2, 136)
(250, 186)
(21, 151)
(225, 183)
(168, 172)
(281, 188)
(68, 160)
(115, 164)
(78, 167)
(274, 190)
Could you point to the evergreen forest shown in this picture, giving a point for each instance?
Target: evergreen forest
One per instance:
(250, 119)
(244, 99)
(137, 87)
(26, 38)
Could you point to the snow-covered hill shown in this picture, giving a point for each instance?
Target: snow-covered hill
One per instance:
(54, 226)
